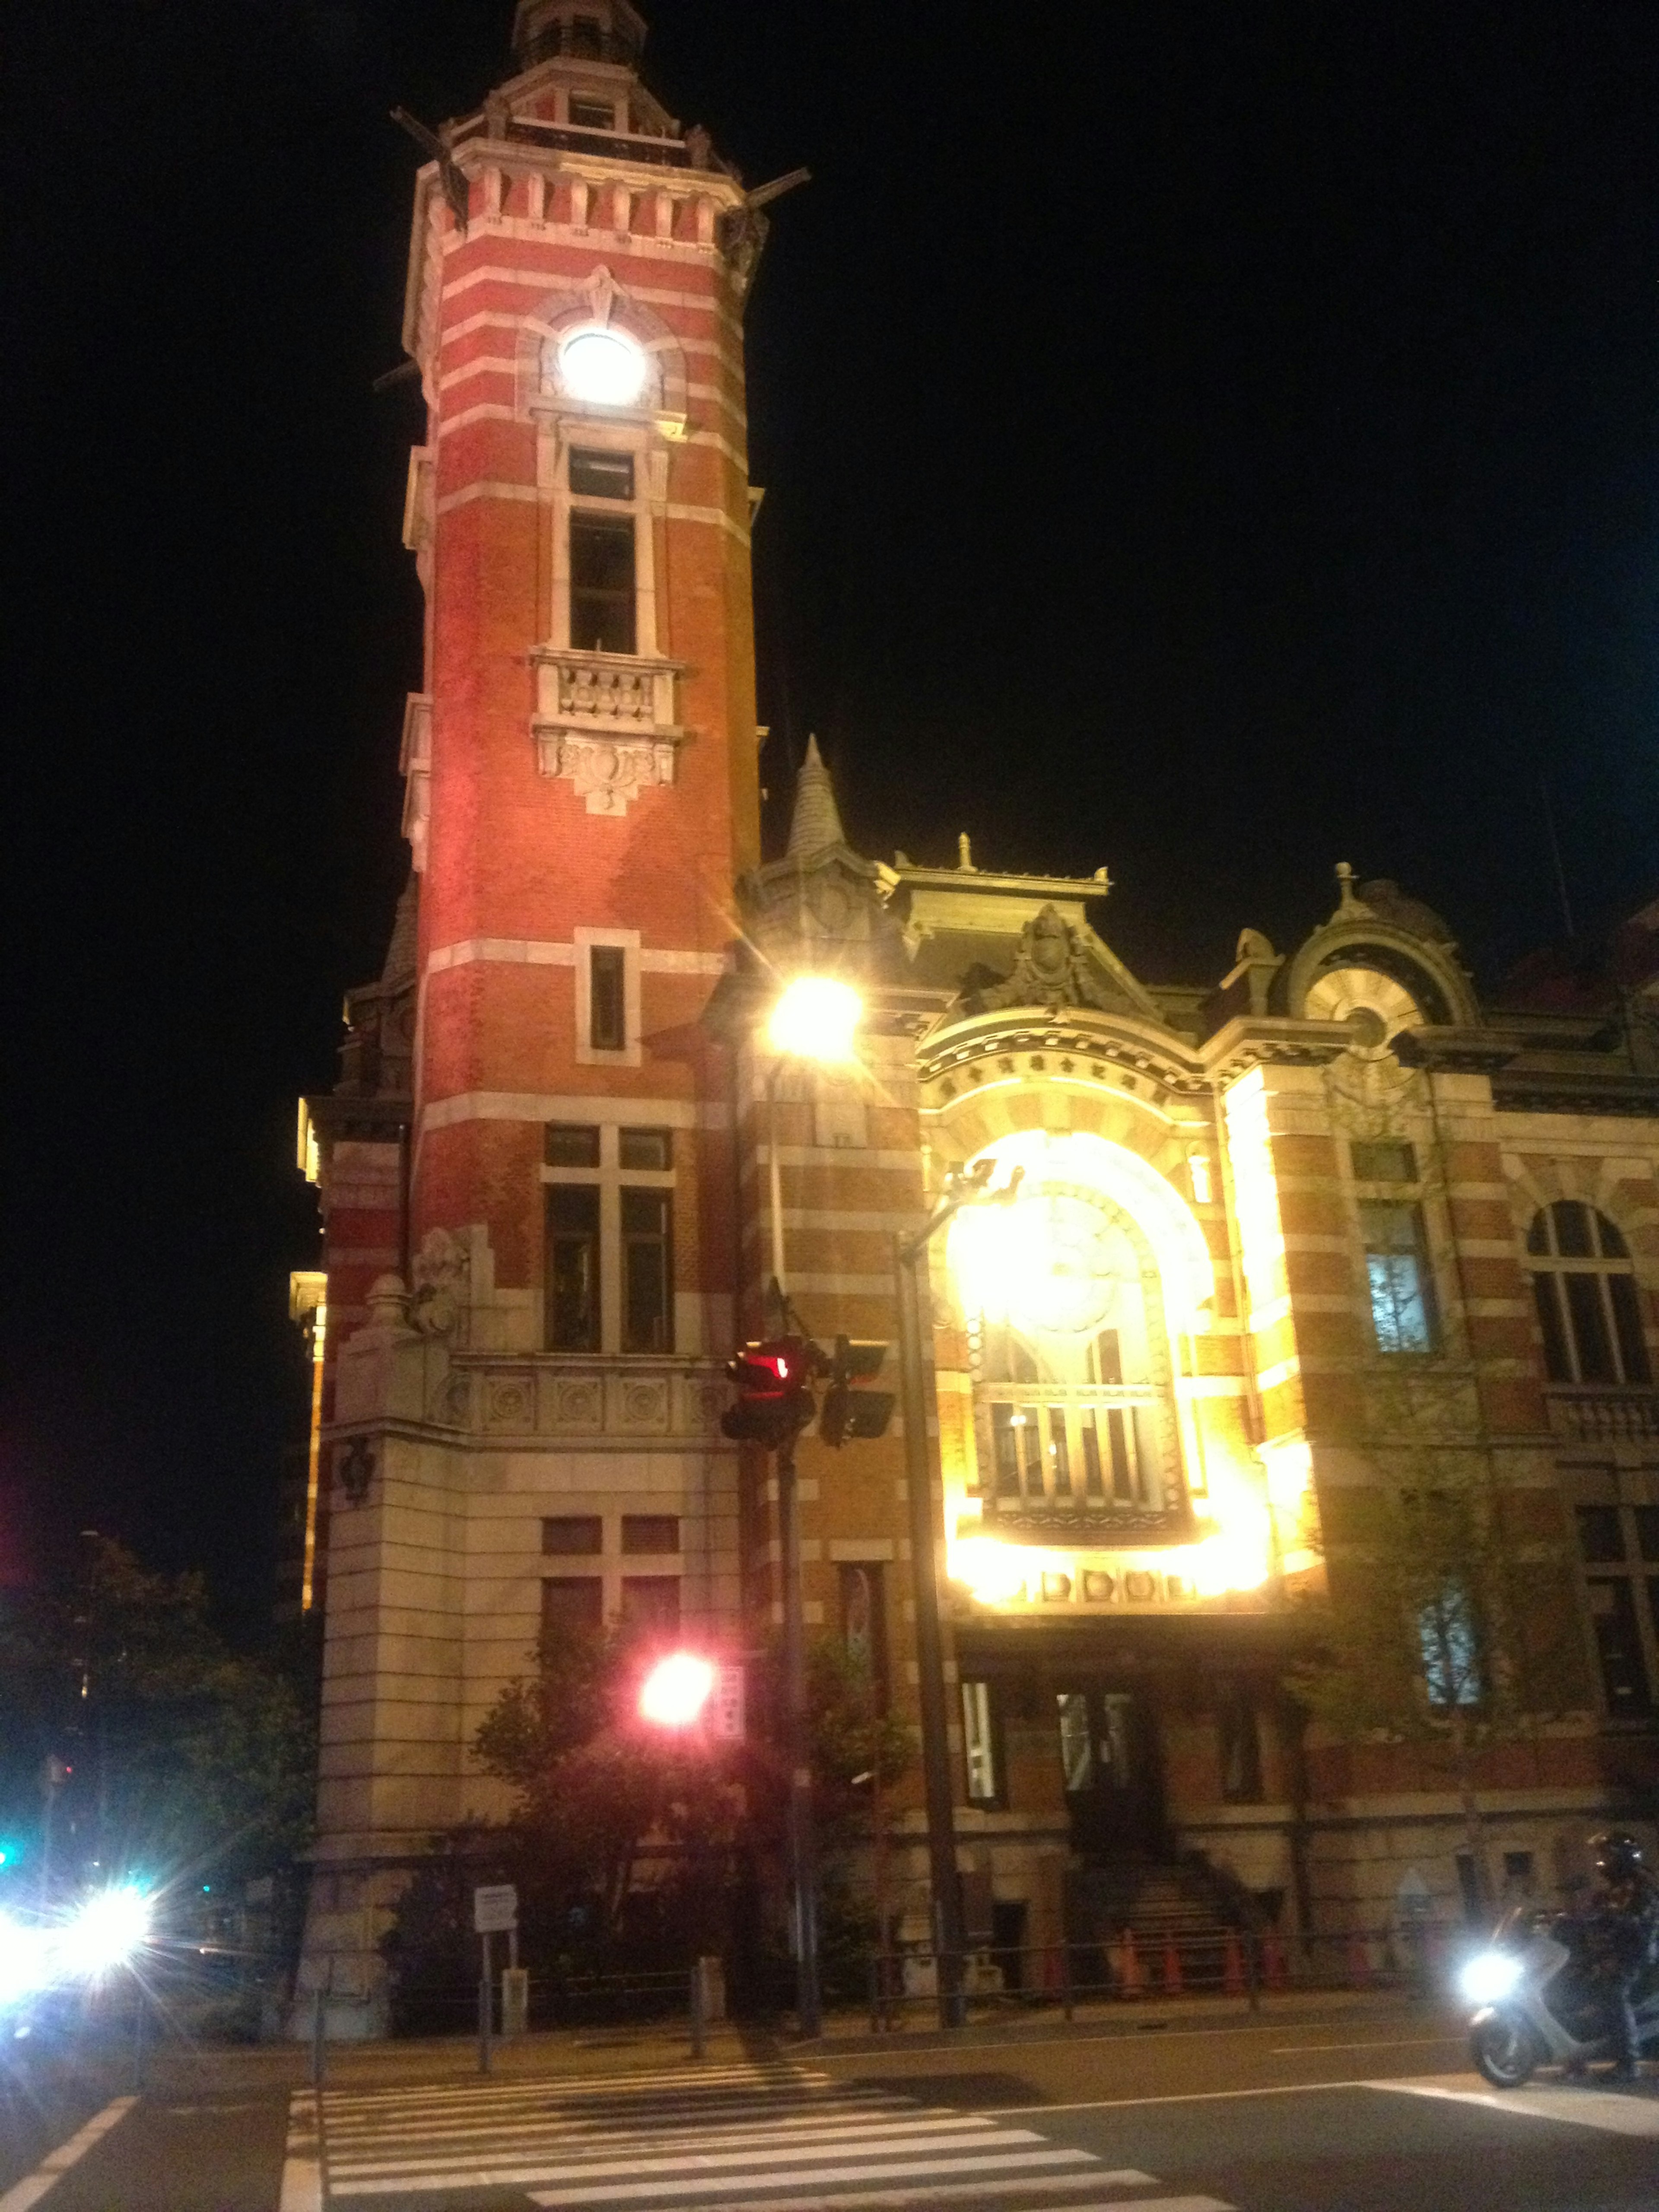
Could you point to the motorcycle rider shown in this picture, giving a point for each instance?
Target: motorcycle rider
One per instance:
(1623, 1920)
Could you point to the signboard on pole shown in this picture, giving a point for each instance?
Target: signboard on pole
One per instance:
(726, 1705)
(494, 1908)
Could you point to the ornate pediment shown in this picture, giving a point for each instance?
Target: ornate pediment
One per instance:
(1053, 967)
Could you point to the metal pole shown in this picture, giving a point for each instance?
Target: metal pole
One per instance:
(775, 1175)
(803, 1855)
(485, 2009)
(930, 1655)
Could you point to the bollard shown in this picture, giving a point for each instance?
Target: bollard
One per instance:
(1232, 1967)
(1172, 1982)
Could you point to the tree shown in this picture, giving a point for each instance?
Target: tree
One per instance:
(1445, 1628)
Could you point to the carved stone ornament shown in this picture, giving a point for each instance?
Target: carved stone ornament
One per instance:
(1051, 969)
(440, 1273)
(608, 773)
(355, 1466)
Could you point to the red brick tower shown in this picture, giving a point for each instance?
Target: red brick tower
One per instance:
(528, 1182)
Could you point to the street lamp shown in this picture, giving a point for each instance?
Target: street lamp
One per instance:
(962, 1188)
(814, 1018)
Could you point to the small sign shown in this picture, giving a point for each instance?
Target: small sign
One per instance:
(496, 1909)
(725, 1706)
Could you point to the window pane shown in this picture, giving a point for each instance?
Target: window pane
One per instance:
(1450, 1648)
(647, 1287)
(1572, 1230)
(1077, 1744)
(1397, 1274)
(572, 1605)
(651, 1532)
(1120, 1443)
(600, 475)
(1003, 1436)
(978, 1744)
(602, 583)
(1538, 1234)
(1612, 1244)
(652, 1602)
(1239, 1747)
(1601, 1536)
(1108, 1357)
(644, 1148)
(1384, 1163)
(1647, 1531)
(591, 114)
(607, 997)
(1627, 1326)
(1587, 1318)
(572, 1534)
(1094, 1485)
(1027, 1428)
(1059, 1457)
(1623, 1678)
(864, 1620)
(570, 1145)
(1547, 1296)
(573, 1267)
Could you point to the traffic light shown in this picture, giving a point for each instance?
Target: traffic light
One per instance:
(773, 1382)
(854, 1413)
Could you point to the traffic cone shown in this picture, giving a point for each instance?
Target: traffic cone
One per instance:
(1171, 1967)
(1273, 1958)
(1129, 1965)
(1359, 1960)
(1232, 1967)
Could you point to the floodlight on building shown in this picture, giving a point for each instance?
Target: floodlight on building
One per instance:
(816, 1018)
(994, 1573)
(675, 1695)
(602, 367)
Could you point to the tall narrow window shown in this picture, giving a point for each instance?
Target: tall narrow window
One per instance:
(863, 1622)
(1583, 1286)
(607, 975)
(1450, 1644)
(573, 1267)
(602, 582)
(648, 1271)
(979, 1743)
(1403, 1308)
(1619, 1647)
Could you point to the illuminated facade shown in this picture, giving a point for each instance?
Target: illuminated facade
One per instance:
(1272, 1246)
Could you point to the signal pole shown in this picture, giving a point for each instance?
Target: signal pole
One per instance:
(803, 1840)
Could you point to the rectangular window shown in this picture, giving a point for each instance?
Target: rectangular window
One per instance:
(1450, 1648)
(573, 1267)
(1618, 1647)
(597, 474)
(1590, 1333)
(864, 1620)
(572, 1145)
(1546, 1297)
(591, 114)
(607, 997)
(1077, 1741)
(1384, 1163)
(602, 583)
(1403, 1314)
(1059, 1457)
(1240, 1746)
(1627, 1327)
(652, 1602)
(1600, 1538)
(572, 1605)
(1094, 1483)
(644, 1148)
(648, 1271)
(658, 1533)
(1647, 1531)
(978, 1744)
(573, 1534)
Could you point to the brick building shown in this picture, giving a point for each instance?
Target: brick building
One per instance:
(1296, 1234)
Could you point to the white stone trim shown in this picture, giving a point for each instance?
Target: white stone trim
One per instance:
(488, 488)
(587, 1054)
(571, 1106)
(543, 952)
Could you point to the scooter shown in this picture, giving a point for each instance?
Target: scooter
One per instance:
(1539, 2004)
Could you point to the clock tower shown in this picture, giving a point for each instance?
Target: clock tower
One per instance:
(526, 1171)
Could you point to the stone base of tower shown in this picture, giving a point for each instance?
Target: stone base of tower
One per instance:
(350, 1906)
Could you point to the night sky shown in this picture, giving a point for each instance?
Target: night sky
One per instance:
(1213, 440)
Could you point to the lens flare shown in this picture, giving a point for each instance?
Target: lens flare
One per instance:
(676, 1690)
(25, 1960)
(815, 1019)
(107, 1932)
(1489, 1977)
(603, 367)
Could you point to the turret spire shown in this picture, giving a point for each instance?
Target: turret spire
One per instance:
(816, 820)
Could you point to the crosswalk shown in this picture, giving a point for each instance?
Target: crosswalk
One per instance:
(752, 2138)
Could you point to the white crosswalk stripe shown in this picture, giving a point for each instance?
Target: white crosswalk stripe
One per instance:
(778, 2138)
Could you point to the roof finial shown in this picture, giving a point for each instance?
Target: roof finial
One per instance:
(816, 822)
(965, 853)
(1345, 883)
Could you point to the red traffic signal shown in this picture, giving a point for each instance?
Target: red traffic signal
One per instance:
(773, 1382)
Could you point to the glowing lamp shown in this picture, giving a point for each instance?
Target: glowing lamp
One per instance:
(816, 1019)
(677, 1691)
(25, 1965)
(106, 1933)
(994, 1573)
(602, 367)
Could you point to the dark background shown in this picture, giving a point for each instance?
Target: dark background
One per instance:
(1212, 439)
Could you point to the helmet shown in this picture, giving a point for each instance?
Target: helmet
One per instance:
(1617, 1855)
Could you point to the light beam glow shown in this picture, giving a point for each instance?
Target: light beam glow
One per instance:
(602, 367)
(677, 1691)
(816, 1019)
(107, 1932)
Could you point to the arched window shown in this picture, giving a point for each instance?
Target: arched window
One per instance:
(1585, 1289)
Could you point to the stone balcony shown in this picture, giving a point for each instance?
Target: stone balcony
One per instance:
(1601, 1414)
(605, 722)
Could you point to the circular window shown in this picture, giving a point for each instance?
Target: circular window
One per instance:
(602, 367)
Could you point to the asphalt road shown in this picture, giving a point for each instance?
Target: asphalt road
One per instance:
(1368, 2110)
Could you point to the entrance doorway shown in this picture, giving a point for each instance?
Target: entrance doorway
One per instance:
(1109, 1764)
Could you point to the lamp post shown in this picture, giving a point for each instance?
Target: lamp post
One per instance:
(814, 1019)
(960, 1190)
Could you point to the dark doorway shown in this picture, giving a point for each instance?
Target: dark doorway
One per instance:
(1109, 1761)
(1008, 1940)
